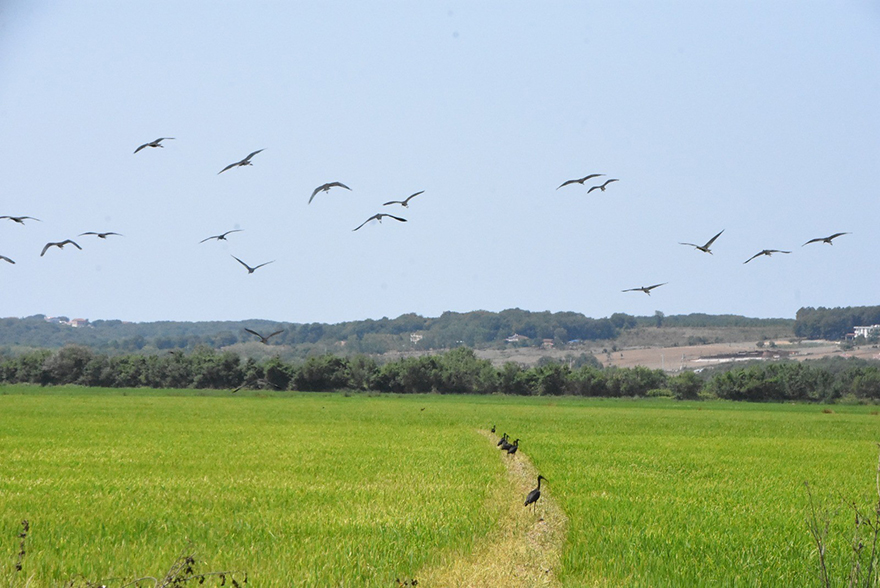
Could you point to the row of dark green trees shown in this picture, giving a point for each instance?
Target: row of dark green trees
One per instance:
(458, 371)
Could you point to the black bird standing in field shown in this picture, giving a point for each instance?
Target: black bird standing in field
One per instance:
(767, 252)
(580, 180)
(505, 444)
(156, 143)
(221, 237)
(20, 219)
(326, 188)
(243, 162)
(264, 340)
(512, 449)
(99, 235)
(704, 248)
(825, 239)
(249, 268)
(603, 186)
(535, 494)
(502, 440)
(59, 245)
(645, 289)
(404, 203)
(493, 429)
(379, 218)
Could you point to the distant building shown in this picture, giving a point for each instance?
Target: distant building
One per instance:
(865, 331)
(58, 320)
(547, 343)
(78, 322)
(515, 338)
(415, 338)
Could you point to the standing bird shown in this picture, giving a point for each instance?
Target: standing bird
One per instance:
(512, 449)
(379, 218)
(100, 235)
(264, 340)
(59, 245)
(404, 203)
(156, 143)
(326, 188)
(645, 289)
(825, 239)
(249, 268)
(20, 219)
(243, 162)
(502, 440)
(505, 444)
(704, 248)
(4, 258)
(493, 429)
(767, 252)
(602, 187)
(580, 180)
(221, 237)
(535, 494)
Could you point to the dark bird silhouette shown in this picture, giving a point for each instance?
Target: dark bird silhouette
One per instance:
(59, 245)
(580, 180)
(404, 203)
(326, 188)
(221, 237)
(493, 429)
(502, 440)
(645, 289)
(245, 161)
(513, 447)
(20, 219)
(156, 143)
(602, 187)
(264, 340)
(535, 494)
(249, 268)
(767, 252)
(99, 235)
(825, 239)
(379, 218)
(505, 444)
(704, 248)
(4, 258)
(237, 389)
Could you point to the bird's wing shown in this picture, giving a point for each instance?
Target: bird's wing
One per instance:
(374, 217)
(230, 166)
(393, 202)
(410, 197)
(609, 181)
(74, 243)
(397, 218)
(590, 177)
(813, 241)
(45, 247)
(836, 235)
(4, 258)
(778, 251)
(253, 332)
(232, 231)
(248, 158)
(691, 244)
(275, 333)
(631, 290)
(563, 184)
(88, 233)
(712, 240)
(241, 262)
(262, 264)
(656, 286)
(594, 188)
(2, 217)
(753, 257)
(28, 218)
(209, 238)
(165, 139)
(318, 189)
(141, 147)
(117, 234)
(339, 184)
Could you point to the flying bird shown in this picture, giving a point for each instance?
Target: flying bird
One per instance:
(20, 219)
(156, 143)
(602, 187)
(100, 235)
(326, 188)
(704, 248)
(404, 203)
(245, 161)
(249, 268)
(581, 180)
(379, 217)
(4, 258)
(264, 340)
(825, 239)
(535, 494)
(645, 289)
(767, 252)
(221, 237)
(59, 245)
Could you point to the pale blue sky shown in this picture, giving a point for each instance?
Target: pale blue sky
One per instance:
(758, 118)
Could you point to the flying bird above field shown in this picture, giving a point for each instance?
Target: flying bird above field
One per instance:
(99, 235)
(264, 340)
(4, 258)
(156, 143)
(59, 245)
(704, 248)
(404, 203)
(645, 289)
(580, 180)
(245, 161)
(20, 219)
(379, 218)
(221, 237)
(767, 252)
(249, 268)
(326, 188)
(825, 239)
(602, 187)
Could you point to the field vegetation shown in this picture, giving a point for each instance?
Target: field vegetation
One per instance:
(312, 489)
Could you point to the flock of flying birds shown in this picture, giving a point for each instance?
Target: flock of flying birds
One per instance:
(704, 248)
(157, 143)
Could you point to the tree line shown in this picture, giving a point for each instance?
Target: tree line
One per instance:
(833, 323)
(458, 371)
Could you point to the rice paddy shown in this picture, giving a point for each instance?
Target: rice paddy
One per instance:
(334, 490)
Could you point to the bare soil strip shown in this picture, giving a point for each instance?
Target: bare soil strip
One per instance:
(525, 549)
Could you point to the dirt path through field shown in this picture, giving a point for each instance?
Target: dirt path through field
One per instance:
(524, 550)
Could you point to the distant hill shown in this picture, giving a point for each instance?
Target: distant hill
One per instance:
(478, 329)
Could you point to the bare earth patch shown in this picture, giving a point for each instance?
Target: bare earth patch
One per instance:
(525, 549)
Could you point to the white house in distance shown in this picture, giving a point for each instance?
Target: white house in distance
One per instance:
(865, 331)
(516, 338)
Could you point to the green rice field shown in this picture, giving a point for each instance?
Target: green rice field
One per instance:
(306, 489)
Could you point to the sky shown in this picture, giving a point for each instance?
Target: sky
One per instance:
(757, 118)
